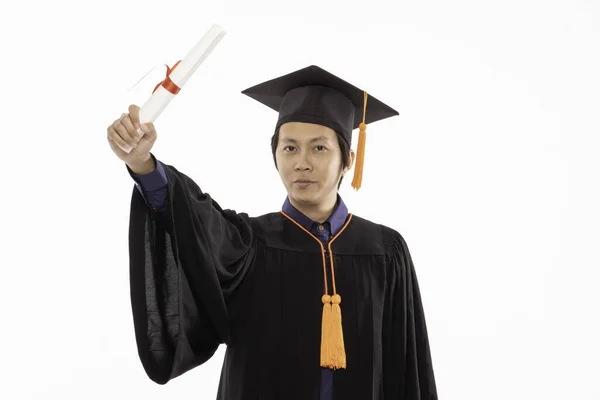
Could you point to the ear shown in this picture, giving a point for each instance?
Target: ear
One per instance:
(351, 160)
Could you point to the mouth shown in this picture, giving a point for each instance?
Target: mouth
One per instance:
(303, 181)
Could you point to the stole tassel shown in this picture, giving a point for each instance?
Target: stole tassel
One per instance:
(333, 353)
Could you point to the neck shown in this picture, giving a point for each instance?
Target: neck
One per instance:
(317, 212)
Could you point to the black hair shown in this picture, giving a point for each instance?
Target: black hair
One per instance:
(345, 148)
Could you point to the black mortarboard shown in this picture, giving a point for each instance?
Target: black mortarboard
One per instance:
(314, 95)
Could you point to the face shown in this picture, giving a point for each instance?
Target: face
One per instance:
(309, 161)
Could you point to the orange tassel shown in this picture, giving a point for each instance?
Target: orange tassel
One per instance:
(360, 150)
(326, 347)
(339, 352)
(360, 157)
(333, 353)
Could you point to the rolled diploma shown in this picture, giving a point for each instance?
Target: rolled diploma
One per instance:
(159, 100)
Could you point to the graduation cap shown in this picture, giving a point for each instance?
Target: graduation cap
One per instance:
(316, 96)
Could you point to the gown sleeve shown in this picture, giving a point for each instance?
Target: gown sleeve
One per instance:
(186, 264)
(408, 368)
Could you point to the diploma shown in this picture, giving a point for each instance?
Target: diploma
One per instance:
(179, 75)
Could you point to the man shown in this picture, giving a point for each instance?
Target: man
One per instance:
(312, 302)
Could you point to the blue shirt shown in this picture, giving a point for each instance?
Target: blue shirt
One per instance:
(153, 187)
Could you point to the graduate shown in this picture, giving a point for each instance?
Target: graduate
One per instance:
(311, 301)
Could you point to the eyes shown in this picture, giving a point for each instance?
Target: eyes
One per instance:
(291, 148)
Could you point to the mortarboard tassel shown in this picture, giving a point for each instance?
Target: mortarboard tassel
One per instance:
(360, 150)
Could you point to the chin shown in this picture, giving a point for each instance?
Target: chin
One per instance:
(304, 197)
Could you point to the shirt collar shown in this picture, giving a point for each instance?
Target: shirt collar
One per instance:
(336, 220)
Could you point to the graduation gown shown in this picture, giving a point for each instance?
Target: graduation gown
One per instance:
(202, 276)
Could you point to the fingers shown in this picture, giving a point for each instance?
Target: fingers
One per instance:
(127, 133)
(129, 126)
(115, 137)
(148, 129)
(124, 128)
(134, 115)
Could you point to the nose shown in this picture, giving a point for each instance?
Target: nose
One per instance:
(302, 164)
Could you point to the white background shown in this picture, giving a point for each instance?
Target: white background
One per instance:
(490, 173)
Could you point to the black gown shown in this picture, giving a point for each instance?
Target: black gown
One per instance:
(202, 276)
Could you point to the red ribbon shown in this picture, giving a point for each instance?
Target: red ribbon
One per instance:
(167, 83)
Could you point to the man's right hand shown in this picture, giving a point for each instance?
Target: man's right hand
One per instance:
(123, 133)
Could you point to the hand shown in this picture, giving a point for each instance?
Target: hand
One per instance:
(123, 134)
